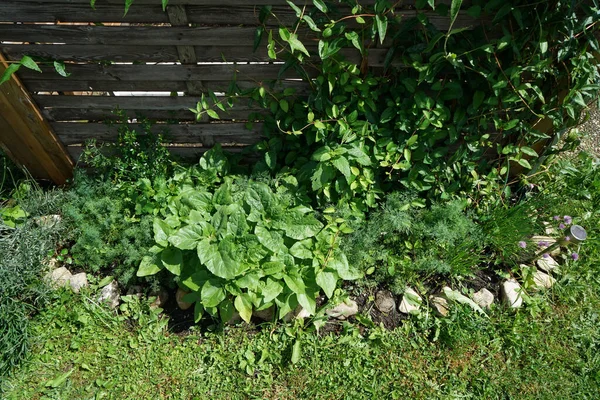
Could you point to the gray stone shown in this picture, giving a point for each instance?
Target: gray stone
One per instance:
(48, 221)
(440, 305)
(384, 301)
(411, 302)
(549, 229)
(184, 305)
(60, 277)
(301, 313)
(110, 294)
(511, 293)
(78, 281)
(483, 298)
(542, 280)
(547, 264)
(266, 314)
(161, 298)
(343, 310)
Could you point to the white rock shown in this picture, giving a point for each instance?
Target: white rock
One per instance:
(343, 310)
(48, 221)
(301, 313)
(161, 298)
(184, 305)
(78, 281)
(549, 229)
(384, 301)
(547, 264)
(542, 280)
(483, 298)
(411, 302)
(511, 293)
(60, 277)
(110, 294)
(549, 242)
(440, 305)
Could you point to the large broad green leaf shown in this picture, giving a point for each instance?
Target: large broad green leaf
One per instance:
(272, 240)
(244, 306)
(300, 226)
(212, 294)
(271, 290)
(226, 310)
(188, 237)
(302, 249)
(195, 281)
(236, 223)
(342, 165)
(198, 200)
(150, 265)
(248, 281)
(223, 194)
(295, 283)
(272, 267)
(327, 280)
(220, 259)
(162, 231)
(172, 260)
(308, 302)
(339, 263)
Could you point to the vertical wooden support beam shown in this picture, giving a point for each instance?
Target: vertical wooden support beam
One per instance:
(26, 137)
(187, 54)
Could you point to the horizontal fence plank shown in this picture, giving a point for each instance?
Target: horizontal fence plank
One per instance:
(69, 85)
(197, 2)
(199, 134)
(97, 108)
(190, 154)
(132, 35)
(248, 15)
(120, 72)
(125, 53)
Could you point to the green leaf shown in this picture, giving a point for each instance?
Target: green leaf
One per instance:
(28, 62)
(320, 5)
(342, 165)
(243, 304)
(296, 352)
(382, 24)
(524, 163)
(454, 10)
(271, 290)
(56, 382)
(172, 260)
(188, 237)
(529, 151)
(212, 294)
(220, 259)
(327, 280)
(161, 232)
(93, 3)
(478, 97)
(284, 105)
(322, 154)
(300, 226)
(165, 3)
(213, 114)
(198, 310)
(272, 240)
(60, 69)
(12, 68)
(302, 250)
(128, 4)
(339, 263)
(295, 283)
(307, 302)
(455, 295)
(150, 265)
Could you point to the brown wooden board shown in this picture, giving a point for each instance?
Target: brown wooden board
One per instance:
(27, 136)
(199, 134)
(196, 2)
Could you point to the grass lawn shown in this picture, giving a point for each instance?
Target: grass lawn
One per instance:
(83, 351)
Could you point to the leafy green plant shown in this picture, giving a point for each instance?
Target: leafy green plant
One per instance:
(247, 247)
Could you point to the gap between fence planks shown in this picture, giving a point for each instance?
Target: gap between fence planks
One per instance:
(27, 137)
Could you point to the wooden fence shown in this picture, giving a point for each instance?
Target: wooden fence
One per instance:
(137, 62)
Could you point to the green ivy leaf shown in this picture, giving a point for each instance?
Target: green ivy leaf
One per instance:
(59, 67)
(28, 62)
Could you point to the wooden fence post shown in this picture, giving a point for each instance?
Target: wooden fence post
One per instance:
(25, 135)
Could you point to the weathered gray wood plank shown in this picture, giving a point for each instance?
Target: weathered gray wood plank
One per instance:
(120, 72)
(86, 114)
(198, 134)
